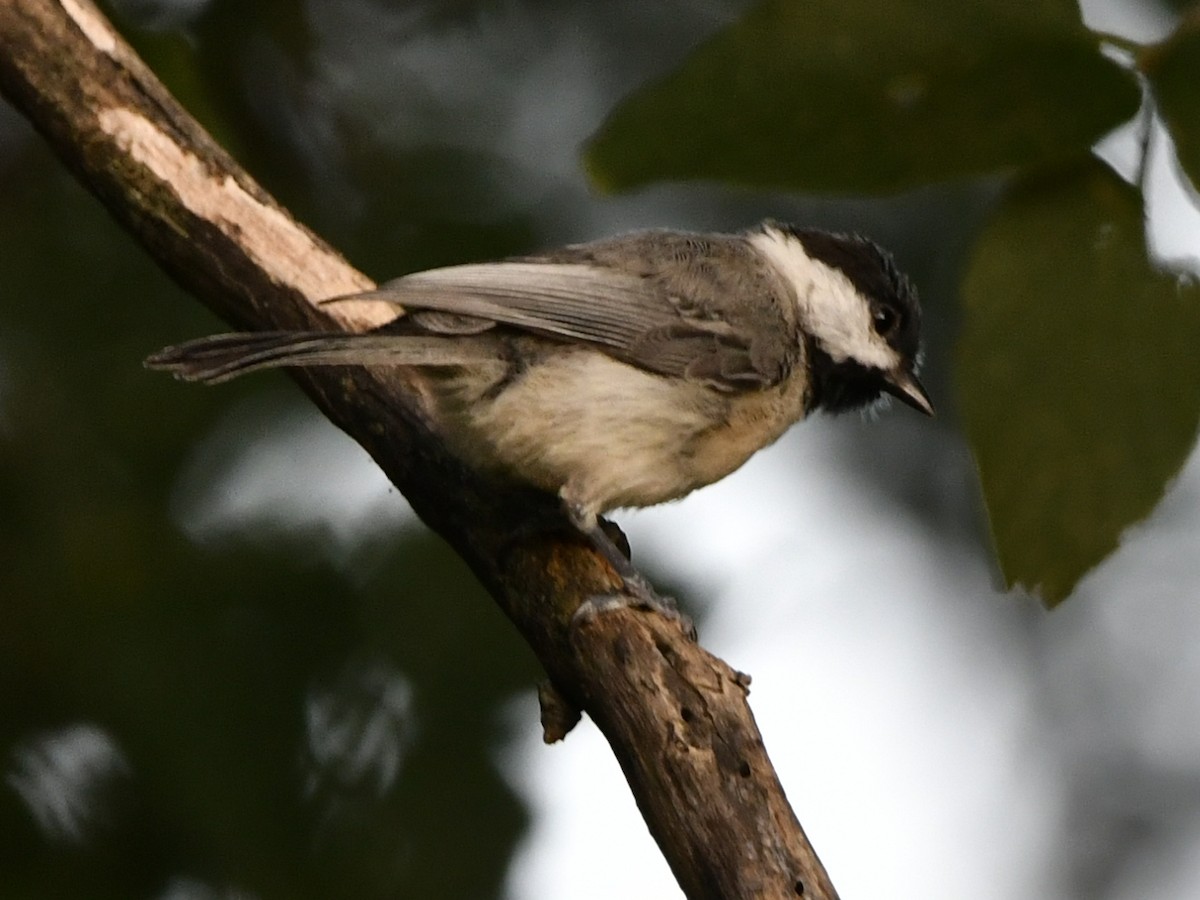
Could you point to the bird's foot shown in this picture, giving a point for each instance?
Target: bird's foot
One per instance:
(635, 593)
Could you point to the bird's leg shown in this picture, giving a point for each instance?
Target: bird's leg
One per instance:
(636, 590)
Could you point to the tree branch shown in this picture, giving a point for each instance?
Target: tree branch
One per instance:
(675, 716)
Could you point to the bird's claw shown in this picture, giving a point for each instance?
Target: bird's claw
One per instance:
(635, 593)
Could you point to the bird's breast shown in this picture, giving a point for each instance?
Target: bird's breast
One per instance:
(612, 435)
(752, 420)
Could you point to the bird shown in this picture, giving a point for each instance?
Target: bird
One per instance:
(627, 371)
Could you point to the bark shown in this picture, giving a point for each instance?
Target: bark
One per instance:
(676, 717)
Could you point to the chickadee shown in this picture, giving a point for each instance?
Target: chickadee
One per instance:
(629, 371)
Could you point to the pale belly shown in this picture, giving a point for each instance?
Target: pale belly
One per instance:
(606, 435)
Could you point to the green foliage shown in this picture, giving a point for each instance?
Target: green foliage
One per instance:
(848, 96)
(1078, 372)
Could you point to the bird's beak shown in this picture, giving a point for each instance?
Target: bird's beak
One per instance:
(904, 386)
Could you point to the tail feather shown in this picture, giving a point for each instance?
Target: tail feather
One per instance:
(212, 360)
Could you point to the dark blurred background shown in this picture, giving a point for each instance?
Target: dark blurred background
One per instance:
(234, 665)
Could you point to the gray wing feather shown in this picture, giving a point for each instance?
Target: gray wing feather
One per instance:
(676, 315)
(572, 301)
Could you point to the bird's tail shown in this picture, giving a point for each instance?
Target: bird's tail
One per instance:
(218, 358)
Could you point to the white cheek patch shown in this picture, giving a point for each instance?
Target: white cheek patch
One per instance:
(841, 321)
(831, 310)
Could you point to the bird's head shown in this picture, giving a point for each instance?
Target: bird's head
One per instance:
(859, 315)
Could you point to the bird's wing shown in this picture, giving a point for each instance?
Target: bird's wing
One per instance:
(665, 319)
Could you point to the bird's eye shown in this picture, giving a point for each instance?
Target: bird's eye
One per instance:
(886, 321)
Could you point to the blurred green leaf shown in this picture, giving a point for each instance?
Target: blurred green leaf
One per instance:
(1173, 68)
(849, 96)
(1080, 376)
(1180, 5)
